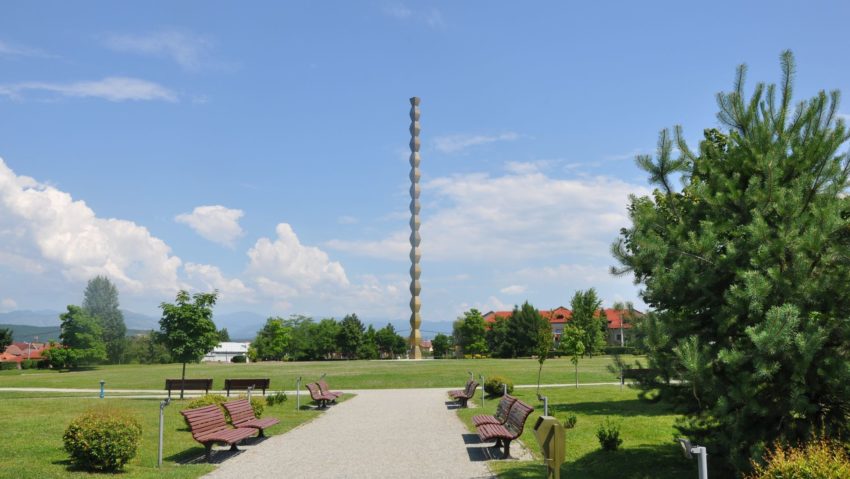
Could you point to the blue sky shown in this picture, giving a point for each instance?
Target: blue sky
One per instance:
(262, 149)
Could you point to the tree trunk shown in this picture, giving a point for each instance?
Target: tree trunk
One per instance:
(576, 374)
(182, 380)
(539, 371)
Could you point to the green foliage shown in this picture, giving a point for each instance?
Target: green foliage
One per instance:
(29, 364)
(239, 359)
(276, 398)
(8, 365)
(223, 335)
(187, 328)
(325, 338)
(499, 340)
(570, 421)
(469, 333)
(102, 440)
(100, 301)
(146, 349)
(5, 338)
(615, 350)
(390, 343)
(819, 459)
(368, 347)
(495, 385)
(572, 343)
(587, 317)
(746, 268)
(82, 338)
(526, 329)
(272, 342)
(350, 336)
(441, 344)
(608, 434)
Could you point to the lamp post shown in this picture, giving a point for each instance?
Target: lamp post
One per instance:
(102, 394)
(689, 450)
(298, 394)
(162, 405)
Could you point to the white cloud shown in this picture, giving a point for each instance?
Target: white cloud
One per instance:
(433, 18)
(285, 267)
(12, 50)
(625, 156)
(513, 289)
(398, 11)
(215, 223)
(8, 304)
(514, 217)
(44, 228)
(188, 50)
(111, 88)
(210, 277)
(458, 143)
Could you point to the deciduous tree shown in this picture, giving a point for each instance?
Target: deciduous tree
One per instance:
(588, 317)
(187, 328)
(100, 301)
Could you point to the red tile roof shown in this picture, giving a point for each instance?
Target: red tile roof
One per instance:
(561, 315)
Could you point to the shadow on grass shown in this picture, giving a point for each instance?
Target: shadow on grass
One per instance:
(640, 462)
(485, 452)
(71, 467)
(630, 407)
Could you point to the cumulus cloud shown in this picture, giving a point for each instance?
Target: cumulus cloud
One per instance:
(210, 277)
(215, 223)
(188, 50)
(8, 304)
(458, 143)
(44, 228)
(12, 50)
(513, 289)
(396, 246)
(114, 89)
(285, 267)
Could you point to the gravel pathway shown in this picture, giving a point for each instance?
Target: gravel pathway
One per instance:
(408, 433)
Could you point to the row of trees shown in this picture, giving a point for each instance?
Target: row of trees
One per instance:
(301, 338)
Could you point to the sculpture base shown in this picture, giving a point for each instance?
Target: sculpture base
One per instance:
(416, 353)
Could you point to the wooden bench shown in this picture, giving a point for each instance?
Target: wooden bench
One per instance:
(456, 392)
(501, 415)
(323, 386)
(242, 415)
(189, 385)
(463, 397)
(318, 396)
(510, 430)
(208, 427)
(636, 373)
(245, 384)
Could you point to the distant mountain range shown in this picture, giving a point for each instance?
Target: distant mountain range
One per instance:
(242, 325)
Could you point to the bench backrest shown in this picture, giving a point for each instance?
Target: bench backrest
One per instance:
(240, 411)
(470, 389)
(246, 383)
(315, 392)
(504, 407)
(193, 384)
(517, 417)
(323, 386)
(204, 421)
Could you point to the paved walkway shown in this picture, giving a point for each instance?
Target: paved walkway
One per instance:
(408, 433)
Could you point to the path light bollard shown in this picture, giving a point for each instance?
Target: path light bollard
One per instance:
(298, 394)
(481, 378)
(250, 389)
(162, 405)
(102, 394)
(504, 389)
(545, 405)
(689, 450)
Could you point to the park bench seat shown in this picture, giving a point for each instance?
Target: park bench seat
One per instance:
(510, 430)
(245, 384)
(459, 392)
(323, 386)
(242, 415)
(463, 398)
(318, 396)
(189, 385)
(501, 414)
(209, 426)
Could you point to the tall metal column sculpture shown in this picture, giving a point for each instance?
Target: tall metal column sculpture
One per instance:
(415, 252)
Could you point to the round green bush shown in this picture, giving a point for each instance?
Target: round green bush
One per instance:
(8, 365)
(103, 439)
(239, 359)
(819, 459)
(493, 385)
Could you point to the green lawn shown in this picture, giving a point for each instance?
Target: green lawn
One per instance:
(648, 450)
(341, 374)
(33, 427)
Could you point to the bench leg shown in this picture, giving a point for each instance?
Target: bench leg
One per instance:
(208, 453)
(507, 454)
(233, 447)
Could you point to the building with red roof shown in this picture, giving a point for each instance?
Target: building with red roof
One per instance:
(17, 352)
(617, 328)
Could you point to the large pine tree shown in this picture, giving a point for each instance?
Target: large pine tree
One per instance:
(100, 301)
(748, 270)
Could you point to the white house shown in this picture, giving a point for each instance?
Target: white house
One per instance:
(224, 352)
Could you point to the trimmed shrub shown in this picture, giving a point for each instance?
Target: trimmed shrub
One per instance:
(103, 439)
(28, 364)
(493, 385)
(570, 421)
(239, 359)
(276, 398)
(609, 435)
(611, 350)
(819, 459)
(8, 365)
(257, 403)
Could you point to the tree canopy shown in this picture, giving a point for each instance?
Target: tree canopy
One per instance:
(187, 328)
(82, 340)
(470, 332)
(747, 267)
(100, 301)
(588, 318)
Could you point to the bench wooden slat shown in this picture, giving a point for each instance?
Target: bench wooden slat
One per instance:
(510, 430)
(188, 384)
(242, 415)
(320, 398)
(209, 426)
(501, 414)
(245, 383)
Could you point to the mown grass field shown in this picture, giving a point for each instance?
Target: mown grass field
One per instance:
(33, 422)
(340, 374)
